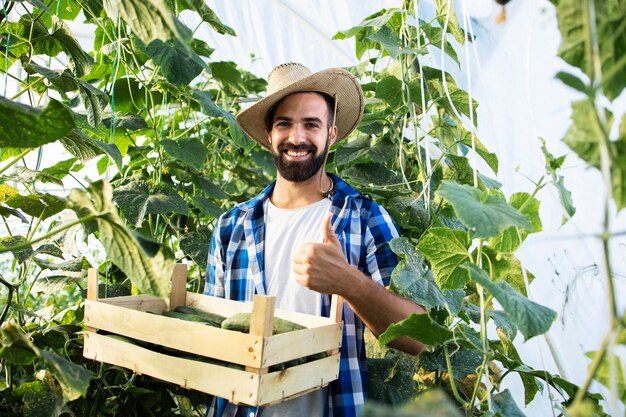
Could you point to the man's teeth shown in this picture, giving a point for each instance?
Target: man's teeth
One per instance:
(297, 153)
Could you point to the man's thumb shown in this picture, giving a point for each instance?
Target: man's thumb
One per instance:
(329, 232)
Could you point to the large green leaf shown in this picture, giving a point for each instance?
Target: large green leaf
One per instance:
(191, 151)
(611, 38)
(485, 213)
(372, 175)
(512, 237)
(28, 127)
(392, 43)
(420, 327)
(28, 176)
(178, 63)
(80, 61)
(531, 319)
(148, 19)
(137, 198)
(85, 148)
(447, 250)
(585, 132)
(147, 264)
(94, 101)
(447, 16)
(412, 280)
(207, 15)
(38, 205)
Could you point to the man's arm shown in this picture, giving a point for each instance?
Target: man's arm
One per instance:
(322, 267)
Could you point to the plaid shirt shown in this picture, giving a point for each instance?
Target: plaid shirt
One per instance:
(235, 271)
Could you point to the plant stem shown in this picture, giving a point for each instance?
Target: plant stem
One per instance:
(28, 244)
(15, 160)
(593, 368)
(451, 376)
(10, 288)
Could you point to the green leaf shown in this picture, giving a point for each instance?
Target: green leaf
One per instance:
(178, 63)
(207, 15)
(94, 101)
(575, 46)
(390, 379)
(573, 81)
(60, 80)
(530, 318)
(411, 279)
(209, 189)
(392, 43)
(420, 327)
(585, 133)
(60, 169)
(446, 13)
(136, 199)
(389, 89)
(504, 404)
(148, 19)
(463, 362)
(510, 239)
(552, 165)
(85, 148)
(126, 121)
(610, 369)
(490, 158)
(148, 264)
(40, 400)
(485, 213)
(409, 213)
(447, 250)
(196, 245)
(28, 176)
(372, 175)
(80, 61)
(37, 3)
(207, 207)
(38, 205)
(191, 151)
(430, 403)
(29, 127)
(21, 255)
(73, 265)
(49, 249)
(435, 36)
(73, 378)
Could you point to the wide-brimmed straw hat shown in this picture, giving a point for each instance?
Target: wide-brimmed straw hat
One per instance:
(292, 78)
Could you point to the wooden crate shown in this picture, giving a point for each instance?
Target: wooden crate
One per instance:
(131, 316)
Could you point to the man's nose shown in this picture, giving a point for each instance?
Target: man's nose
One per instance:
(297, 133)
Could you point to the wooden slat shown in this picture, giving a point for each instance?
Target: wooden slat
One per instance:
(143, 302)
(287, 346)
(196, 338)
(292, 382)
(178, 293)
(92, 290)
(236, 385)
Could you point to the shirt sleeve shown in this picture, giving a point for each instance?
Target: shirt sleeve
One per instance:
(380, 259)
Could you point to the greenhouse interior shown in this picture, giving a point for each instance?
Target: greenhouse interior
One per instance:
(475, 169)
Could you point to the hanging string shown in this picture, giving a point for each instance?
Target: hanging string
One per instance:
(6, 53)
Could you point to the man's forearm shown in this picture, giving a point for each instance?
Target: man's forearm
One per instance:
(378, 308)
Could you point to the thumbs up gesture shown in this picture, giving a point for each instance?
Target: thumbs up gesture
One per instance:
(320, 266)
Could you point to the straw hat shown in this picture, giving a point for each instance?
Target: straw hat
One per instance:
(292, 78)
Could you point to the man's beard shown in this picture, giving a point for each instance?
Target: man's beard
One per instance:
(299, 171)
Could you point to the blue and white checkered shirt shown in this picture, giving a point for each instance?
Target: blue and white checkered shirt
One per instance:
(235, 271)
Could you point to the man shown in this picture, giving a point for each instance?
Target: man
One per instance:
(309, 234)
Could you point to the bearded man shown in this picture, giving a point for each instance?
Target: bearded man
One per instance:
(309, 234)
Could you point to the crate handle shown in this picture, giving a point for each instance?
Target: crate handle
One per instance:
(336, 308)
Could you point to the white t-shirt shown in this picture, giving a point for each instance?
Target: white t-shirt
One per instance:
(285, 231)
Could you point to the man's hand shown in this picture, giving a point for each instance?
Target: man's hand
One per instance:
(321, 266)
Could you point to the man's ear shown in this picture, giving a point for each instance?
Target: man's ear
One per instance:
(333, 134)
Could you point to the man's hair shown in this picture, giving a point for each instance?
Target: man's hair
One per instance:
(330, 105)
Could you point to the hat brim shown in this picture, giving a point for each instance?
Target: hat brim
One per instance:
(335, 82)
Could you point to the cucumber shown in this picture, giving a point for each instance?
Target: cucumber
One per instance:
(188, 317)
(211, 318)
(241, 322)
